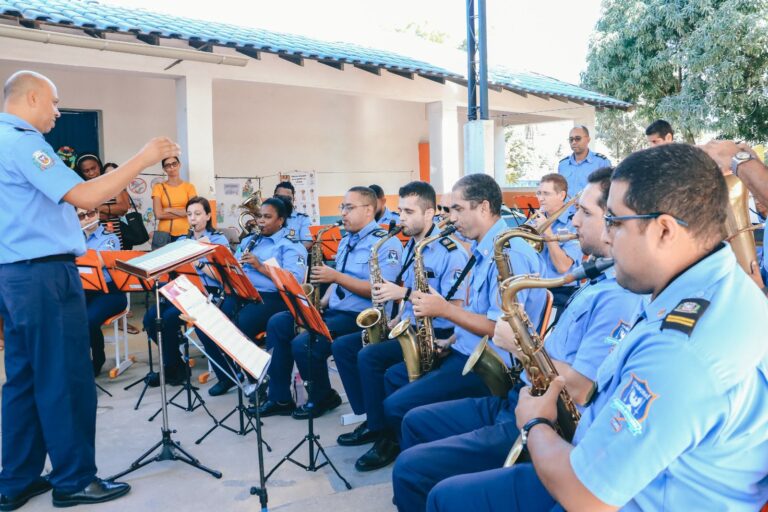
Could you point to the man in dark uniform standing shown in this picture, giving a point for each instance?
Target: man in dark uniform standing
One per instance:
(49, 399)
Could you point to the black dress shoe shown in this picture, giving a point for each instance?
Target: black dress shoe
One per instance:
(221, 387)
(332, 401)
(171, 379)
(383, 453)
(39, 486)
(262, 389)
(97, 491)
(361, 435)
(272, 408)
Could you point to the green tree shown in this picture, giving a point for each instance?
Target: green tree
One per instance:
(621, 132)
(700, 64)
(521, 157)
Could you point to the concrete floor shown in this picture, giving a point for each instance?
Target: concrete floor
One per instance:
(123, 434)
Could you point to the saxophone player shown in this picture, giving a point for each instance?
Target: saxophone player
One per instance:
(444, 261)
(349, 293)
(472, 435)
(678, 420)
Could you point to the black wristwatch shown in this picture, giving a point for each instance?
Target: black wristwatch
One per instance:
(532, 423)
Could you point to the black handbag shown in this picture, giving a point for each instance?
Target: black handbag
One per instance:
(132, 227)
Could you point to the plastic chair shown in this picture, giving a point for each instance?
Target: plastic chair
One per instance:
(546, 318)
(119, 337)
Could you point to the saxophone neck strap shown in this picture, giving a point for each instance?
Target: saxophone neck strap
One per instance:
(464, 272)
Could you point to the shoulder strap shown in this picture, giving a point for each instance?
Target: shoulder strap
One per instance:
(464, 272)
(170, 229)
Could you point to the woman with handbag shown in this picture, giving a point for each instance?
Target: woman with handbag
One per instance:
(169, 201)
(89, 166)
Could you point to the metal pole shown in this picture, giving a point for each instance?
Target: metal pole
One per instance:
(482, 44)
(471, 71)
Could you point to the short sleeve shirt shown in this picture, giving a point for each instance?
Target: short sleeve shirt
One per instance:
(178, 195)
(289, 254)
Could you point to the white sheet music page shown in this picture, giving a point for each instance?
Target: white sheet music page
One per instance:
(181, 250)
(185, 296)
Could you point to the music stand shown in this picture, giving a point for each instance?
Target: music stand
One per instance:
(152, 266)
(309, 318)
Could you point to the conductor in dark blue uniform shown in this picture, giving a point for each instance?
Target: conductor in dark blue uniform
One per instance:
(49, 399)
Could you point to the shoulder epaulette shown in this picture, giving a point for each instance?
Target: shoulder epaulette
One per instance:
(380, 233)
(218, 233)
(566, 158)
(600, 155)
(685, 315)
(448, 243)
(299, 214)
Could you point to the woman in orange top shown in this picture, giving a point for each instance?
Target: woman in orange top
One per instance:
(169, 201)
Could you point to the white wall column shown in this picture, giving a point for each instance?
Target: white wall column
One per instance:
(194, 122)
(479, 147)
(499, 154)
(443, 145)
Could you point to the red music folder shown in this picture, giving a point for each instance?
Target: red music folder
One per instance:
(235, 280)
(286, 284)
(123, 280)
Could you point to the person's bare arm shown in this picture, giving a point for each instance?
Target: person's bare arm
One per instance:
(753, 173)
(163, 213)
(327, 275)
(434, 305)
(120, 207)
(92, 193)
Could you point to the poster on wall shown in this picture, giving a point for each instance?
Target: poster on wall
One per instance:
(230, 194)
(306, 193)
(140, 190)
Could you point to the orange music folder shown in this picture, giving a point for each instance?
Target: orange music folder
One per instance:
(89, 268)
(287, 286)
(124, 281)
(231, 275)
(330, 241)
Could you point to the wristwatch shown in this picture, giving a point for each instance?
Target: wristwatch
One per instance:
(738, 159)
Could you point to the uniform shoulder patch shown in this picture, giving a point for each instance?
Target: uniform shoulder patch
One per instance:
(632, 406)
(42, 159)
(448, 243)
(600, 155)
(380, 233)
(685, 315)
(291, 235)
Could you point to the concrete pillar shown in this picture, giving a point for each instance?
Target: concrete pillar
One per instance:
(499, 154)
(194, 122)
(443, 145)
(478, 147)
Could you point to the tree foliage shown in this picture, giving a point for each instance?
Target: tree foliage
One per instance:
(700, 64)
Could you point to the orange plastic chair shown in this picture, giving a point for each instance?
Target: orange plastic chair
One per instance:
(547, 316)
(123, 360)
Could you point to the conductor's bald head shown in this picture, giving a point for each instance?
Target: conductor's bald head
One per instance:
(32, 97)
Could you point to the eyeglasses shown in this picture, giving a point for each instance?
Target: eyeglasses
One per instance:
(82, 215)
(349, 207)
(577, 138)
(171, 165)
(614, 220)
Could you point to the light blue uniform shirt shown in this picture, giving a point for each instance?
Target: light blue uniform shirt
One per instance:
(214, 237)
(298, 227)
(572, 248)
(355, 250)
(444, 260)
(33, 180)
(576, 173)
(290, 255)
(387, 216)
(484, 286)
(680, 420)
(597, 318)
(100, 240)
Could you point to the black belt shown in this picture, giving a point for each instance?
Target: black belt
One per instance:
(68, 258)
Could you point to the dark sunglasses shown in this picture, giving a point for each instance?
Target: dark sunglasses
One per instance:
(83, 215)
(577, 138)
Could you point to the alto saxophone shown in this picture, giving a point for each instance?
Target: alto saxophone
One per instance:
(373, 320)
(484, 360)
(534, 359)
(310, 290)
(418, 345)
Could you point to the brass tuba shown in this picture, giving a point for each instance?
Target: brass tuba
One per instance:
(373, 320)
(538, 245)
(252, 209)
(313, 291)
(418, 345)
(740, 228)
(534, 359)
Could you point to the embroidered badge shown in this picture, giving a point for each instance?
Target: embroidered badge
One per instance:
(110, 244)
(392, 257)
(685, 315)
(632, 406)
(291, 233)
(301, 261)
(456, 275)
(42, 160)
(618, 333)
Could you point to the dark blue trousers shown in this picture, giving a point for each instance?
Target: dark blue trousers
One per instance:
(100, 307)
(288, 348)
(172, 360)
(345, 350)
(442, 384)
(49, 399)
(372, 363)
(515, 489)
(451, 438)
(251, 319)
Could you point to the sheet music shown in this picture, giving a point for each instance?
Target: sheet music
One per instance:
(171, 253)
(217, 326)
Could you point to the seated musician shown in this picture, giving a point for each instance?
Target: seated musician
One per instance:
(363, 373)
(100, 306)
(297, 223)
(475, 434)
(560, 257)
(679, 417)
(272, 241)
(475, 210)
(201, 228)
(348, 294)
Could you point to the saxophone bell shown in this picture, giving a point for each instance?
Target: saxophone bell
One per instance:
(489, 365)
(407, 337)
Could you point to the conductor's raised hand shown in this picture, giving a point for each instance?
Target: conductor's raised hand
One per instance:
(158, 149)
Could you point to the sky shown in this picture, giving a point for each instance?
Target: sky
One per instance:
(550, 37)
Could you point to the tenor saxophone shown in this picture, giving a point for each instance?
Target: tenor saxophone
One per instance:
(313, 291)
(740, 228)
(418, 345)
(533, 357)
(373, 320)
(538, 245)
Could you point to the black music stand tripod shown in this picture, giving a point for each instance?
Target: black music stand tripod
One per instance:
(169, 449)
(315, 448)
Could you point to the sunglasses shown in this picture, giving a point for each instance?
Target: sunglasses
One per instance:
(82, 215)
(577, 138)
